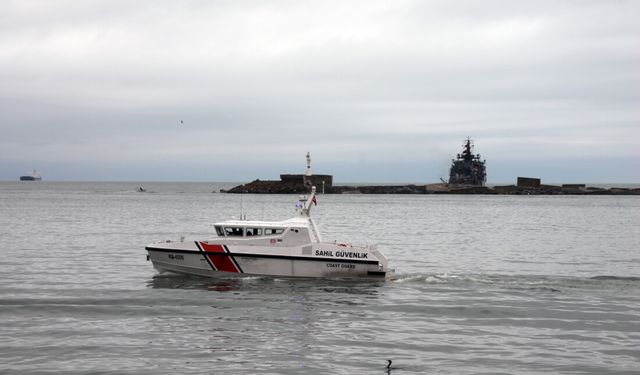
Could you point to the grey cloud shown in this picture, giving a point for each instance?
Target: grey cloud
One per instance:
(392, 82)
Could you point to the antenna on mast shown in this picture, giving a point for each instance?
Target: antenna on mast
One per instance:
(243, 216)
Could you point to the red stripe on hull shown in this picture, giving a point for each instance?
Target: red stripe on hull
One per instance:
(221, 263)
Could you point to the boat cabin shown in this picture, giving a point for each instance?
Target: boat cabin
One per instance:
(290, 232)
(246, 231)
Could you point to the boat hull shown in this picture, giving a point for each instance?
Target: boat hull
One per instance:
(317, 260)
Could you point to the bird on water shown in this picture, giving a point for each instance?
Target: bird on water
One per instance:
(389, 367)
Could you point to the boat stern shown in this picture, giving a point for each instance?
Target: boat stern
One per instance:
(383, 265)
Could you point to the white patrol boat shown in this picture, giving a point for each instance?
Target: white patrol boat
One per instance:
(290, 248)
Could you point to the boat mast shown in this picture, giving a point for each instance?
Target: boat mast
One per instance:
(306, 206)
(305, 211)
(466, 151)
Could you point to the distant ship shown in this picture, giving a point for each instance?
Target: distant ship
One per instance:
(467, 168)
(34, 176)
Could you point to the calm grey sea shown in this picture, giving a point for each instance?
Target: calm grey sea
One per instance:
(485, 285)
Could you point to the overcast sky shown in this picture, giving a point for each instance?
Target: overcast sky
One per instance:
(377, 91)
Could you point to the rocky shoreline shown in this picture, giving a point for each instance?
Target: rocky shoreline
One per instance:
(282, 187)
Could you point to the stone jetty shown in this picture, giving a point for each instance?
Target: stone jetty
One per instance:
(301, 184)
(280, 187)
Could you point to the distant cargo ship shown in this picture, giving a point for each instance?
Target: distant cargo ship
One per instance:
(467, 168)
(34, 176)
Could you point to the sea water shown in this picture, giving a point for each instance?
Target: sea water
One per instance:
(484, 285)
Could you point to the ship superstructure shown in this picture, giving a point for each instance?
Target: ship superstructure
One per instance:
(467, 168)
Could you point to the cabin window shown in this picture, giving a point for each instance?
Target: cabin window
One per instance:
(254, 231)
(233, 231)
(219, 231)
(272, 231)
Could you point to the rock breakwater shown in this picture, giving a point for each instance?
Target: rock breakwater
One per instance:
(293, 187)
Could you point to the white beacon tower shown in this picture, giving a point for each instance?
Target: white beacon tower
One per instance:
(308, 171)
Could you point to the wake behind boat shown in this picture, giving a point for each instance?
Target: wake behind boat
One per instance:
(290, 248)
